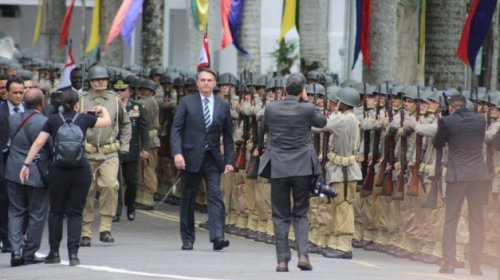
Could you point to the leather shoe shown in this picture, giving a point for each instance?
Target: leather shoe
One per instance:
(269, 239)
(371, 246)
(282, 267)
(304, 263)
(85, 241)
(131, 215)
(447, 268)
(52, 257)
(475, 269)
(261, 237)
(15, 258)
(314, 249)
(32, 260)
(6, 246)
(140, 206)
(402, 254)
(358, 243)
(73, 259)
(220, 244)
(336, 254)
(430, 259)
(187, 245)
(105, 236)
(116, 219)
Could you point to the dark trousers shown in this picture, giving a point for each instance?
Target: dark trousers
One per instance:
(68, 193)
(190, 183)
(129, 171)
(284, 214)
(455, 195)
(4, 205)
(31, 202)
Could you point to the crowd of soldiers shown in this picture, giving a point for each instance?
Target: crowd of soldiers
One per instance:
(376, 150)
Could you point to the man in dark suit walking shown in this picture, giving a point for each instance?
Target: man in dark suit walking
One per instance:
(199, 122)
(291, 161)
(13, 105)
(467, 177)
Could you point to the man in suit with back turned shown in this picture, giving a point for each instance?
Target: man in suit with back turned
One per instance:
(467, 177)
(199, 122)
(290, 162)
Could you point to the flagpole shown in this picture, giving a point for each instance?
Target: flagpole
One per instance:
(84, 30)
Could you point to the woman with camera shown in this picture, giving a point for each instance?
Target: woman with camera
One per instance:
(68, 185)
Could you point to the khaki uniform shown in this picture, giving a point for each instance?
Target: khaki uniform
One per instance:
(148, 182)
(102, 146)
(344, 146)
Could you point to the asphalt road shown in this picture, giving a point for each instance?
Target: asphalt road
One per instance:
(149, 248)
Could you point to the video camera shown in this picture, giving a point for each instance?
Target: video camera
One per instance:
(319, 188)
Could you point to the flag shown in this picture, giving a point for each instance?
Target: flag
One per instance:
(231, 11)
(70, 65)
(65, 26)
(199, 8)
(475, 30)
(94, 32)
(362, 43)
(130, 21)
(38, 24)
(290, 16)
(204, 60)
(117, 24)
(422, 4)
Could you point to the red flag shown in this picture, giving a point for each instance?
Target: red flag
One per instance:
(204, 60)
(65, 26)
(65, 80)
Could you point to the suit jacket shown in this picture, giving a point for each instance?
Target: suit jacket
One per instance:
(189, 134)
(140, 130)
(21, 145)
(4, 124)
(463, 131)
(289, 150)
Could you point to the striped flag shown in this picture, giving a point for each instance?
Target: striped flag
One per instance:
(38, 24)
(65, 26)
(199, 8)
(290, 17)
(362, 31)
(204, 60)
(94, 32)
(130, 21)
(231, 11)
(117, 24)
(475, 30)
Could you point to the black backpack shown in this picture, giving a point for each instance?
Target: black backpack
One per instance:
(68, 144)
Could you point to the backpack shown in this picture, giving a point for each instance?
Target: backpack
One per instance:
(68, 144)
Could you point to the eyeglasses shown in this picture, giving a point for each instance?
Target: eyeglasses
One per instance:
(120, 90)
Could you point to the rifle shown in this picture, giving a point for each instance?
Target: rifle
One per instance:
(241, 150)
(399, 191)
(389, 157)
(326, 138)
(413, 188)
(254, 160)
(367, 187)
(366, 136)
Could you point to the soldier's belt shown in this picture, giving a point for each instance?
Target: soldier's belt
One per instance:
(104, 149)
(153, 133)
(341, 161)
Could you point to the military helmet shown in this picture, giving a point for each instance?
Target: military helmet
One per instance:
(370, 90)
(156, 71)
(397, 90)
(166, 78)
(179, 82)
(228, 79)
(98, 71)
(313, 75)
(261, 82)
(133, 80)
(349, 96)
(495, 99)
(331, 93)
(410, 92)
(190, 83)
(315, 89)
(348, 83)
(435, 96)
(148, 84)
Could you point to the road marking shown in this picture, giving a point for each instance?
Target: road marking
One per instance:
(367, 264)
(436, 276)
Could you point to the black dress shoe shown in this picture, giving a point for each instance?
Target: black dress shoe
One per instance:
(187, 245)
(106, 237)
(32, 260)
(269, 239)
(358, 243)
(402, 254)
(475, 269)
(131, 215)
(261, 237)
(304, 264)
(447, 268)
(85, 241)
(371, 246)
(314, 249)
(336, 254)
(220, 244)
(431, 259)
(6, 247)
(158, 197)
(52, 257)
(73, 259)
(116, 219)
(15, 258)
(282, 267)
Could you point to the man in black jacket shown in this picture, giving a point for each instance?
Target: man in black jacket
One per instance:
(291, 161)
(200, 121)
(466, 177)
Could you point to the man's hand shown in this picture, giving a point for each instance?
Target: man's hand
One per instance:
(144, 155)
(229, 168)
(179, 162)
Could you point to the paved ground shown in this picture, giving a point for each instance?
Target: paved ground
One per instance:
(149, 248)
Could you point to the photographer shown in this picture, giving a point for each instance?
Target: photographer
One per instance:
(289, 161)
